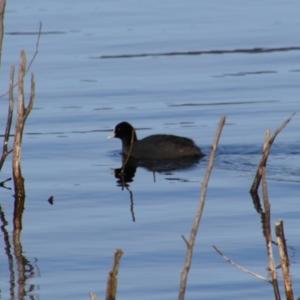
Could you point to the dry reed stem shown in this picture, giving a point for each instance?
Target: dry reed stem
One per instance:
(265, 155)
(284, 260)
(36, 48)
(93, 296)
(22, 114)
(18, 180)
(33, 58)
(130, 150)
(240, 267)
(9, 117)
(112, 281)
(2, 11)
(267, 231)
(191, 242)
(267, 138)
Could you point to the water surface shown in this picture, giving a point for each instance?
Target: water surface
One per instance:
(81, 96)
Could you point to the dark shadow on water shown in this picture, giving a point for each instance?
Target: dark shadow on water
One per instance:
(223, 103)
(245, 73)
(2, 184)
(21, 270)
(256, 50)
(125, 175)
(35, 33)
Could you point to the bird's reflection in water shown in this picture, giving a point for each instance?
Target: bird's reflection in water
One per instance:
(126, 173)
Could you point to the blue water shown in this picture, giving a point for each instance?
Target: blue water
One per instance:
(81, 96)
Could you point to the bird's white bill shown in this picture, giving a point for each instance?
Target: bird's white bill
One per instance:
(111, 135)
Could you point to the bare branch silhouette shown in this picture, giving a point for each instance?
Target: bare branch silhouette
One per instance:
(191, 242)
(33, 58)
(264, 158)
(9, 117)
(240, 267)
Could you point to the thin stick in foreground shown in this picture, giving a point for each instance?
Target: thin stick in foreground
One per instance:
(130, 150)
(93, 296)
(23, 113)
(33, 58)
(265, 155)
(191, 242)
(284, 260)
(240, 267)
(2, 10)
(112, 281)
(268, 233)
(9, 117)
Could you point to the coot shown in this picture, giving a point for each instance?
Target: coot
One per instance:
(157, 146)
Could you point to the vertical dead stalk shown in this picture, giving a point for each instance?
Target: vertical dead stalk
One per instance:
(130, 150)
(265, 155)
(112, 281)
(268, 234)
(93, 296)
(33, 58)
(21, 118)
(2, 10)
(5, 151)
(191, 242)
(20, 123)
(266, 217)
(284, 260)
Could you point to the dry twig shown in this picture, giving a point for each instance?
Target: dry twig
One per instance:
(9, 117)
(112, 281)
(20, 123)
(33, 58)
(264, 158)
(93, 296)
(240, 267)
(130, 150)
(267, 232)
(284, 260)
(191, 242)
(2, 10)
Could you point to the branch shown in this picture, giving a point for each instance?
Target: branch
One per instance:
(284, 260)
(112, 281)
(9, 117)
(93, 296)
(33, 58)
(240, 267)
(130, 150)
(20, 122)
(28, 109)
(2, 10)
(186, 241)
(265, 155)
(36, 48)
(267, 230)
(191, 242)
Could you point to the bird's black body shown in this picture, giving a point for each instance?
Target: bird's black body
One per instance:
(157, 146)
